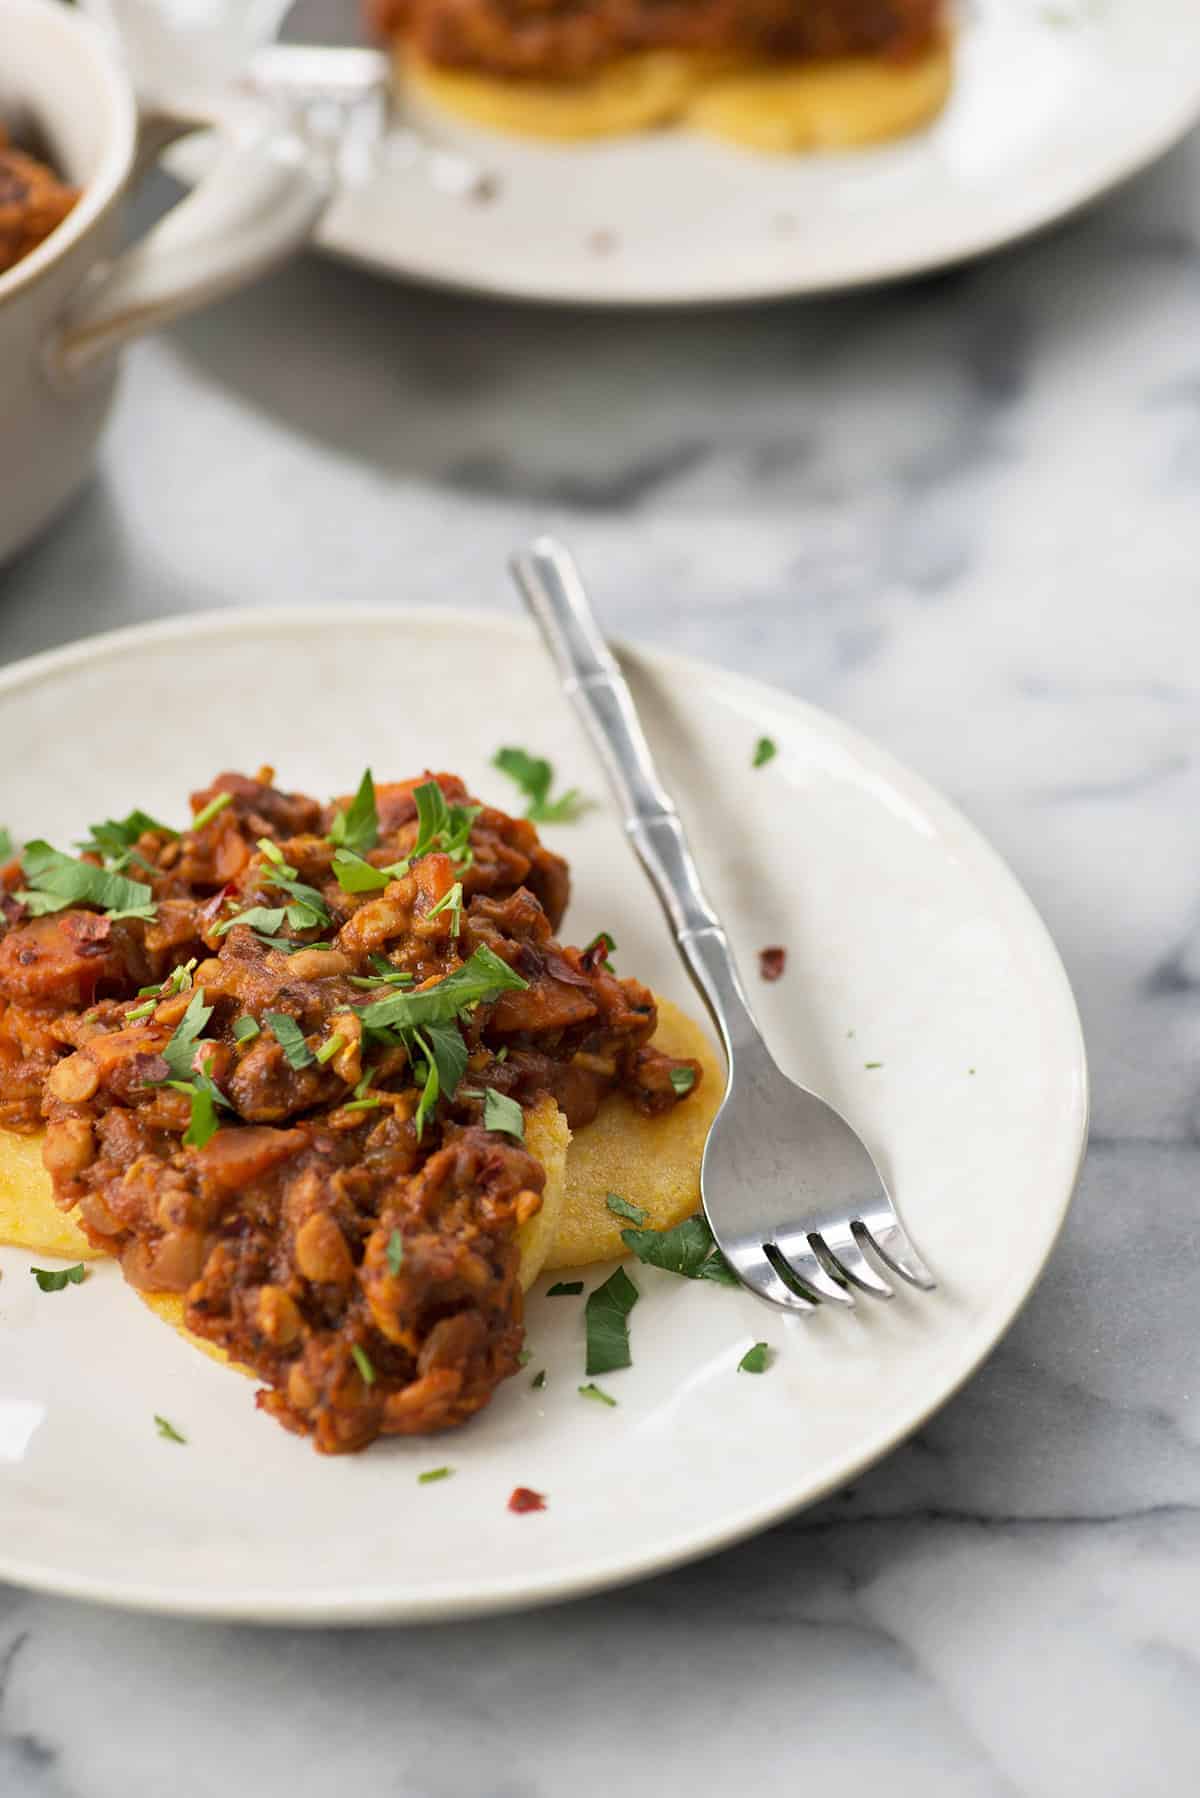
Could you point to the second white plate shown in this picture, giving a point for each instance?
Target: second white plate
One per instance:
(1054, 101)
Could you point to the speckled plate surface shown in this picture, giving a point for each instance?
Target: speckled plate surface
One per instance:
(910, 946)
(1054, 101)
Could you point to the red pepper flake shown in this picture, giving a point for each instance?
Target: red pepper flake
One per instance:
(772, 962)
(523, 1499)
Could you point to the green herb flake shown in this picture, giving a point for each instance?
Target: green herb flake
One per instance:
(610, 947)
(591, 1390)
(362, 1104)
(395, 1253)
(53, 1279)
(452, 902)
(355, 875)
(434, 1473)
(245, 1029)
(205, 1096)
(535, 776)
(503, 1114)
(141, 1011)
(607, 1321)
(180, 1051)
(683, 1080)
(114, 838)
(56, 880)
(539, 1379)
(755, 1360)
(290, 1037)
(264, 920)
(564, 1289)
(442, 826)
(872, 1064)
(328, 1050)
(764, 751)
(212, 810)
(622, 1208)
(688, 1250)
(168, 1431)
(485, 976)
(356, 828)
(523, 1357)
(363, 1363)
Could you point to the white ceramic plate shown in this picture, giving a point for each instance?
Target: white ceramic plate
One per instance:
(909, 944)
(1055, 100)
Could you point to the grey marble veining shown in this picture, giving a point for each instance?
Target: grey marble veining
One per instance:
(964, 515)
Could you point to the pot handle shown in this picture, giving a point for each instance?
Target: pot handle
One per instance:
(260, 200)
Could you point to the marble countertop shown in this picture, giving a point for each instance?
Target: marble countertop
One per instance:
(964, 515)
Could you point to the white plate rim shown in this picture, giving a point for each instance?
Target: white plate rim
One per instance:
(341, 1606)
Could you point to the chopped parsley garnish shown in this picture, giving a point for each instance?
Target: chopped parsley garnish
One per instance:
(212, 810)
(385, 974)
(290, 1037)
(53, 1279)
(442, 826)
(246, 1029)
(328, 1050)
(535, 776)
(591, 1390)
(354, 875)
(688, 1250)
(622, 1208)
(205, 1096)
(485, 976)
(113, 839)
(308, 910)
(683, 1080)
(395, 1253)
(263, 920)
(539, 1379)
(608, 943)
(180, 1052)
(363, 1363)
(764, 750)
(141, 1011)
(607, 1320)
(503, 1114)
(6, 844)
(523, 1357)
(362, 1104)
(434, 1473)
(168, 1430)
(564, 1289)
(56, 880)
(357, 827)
(755, 1360)
(452, 902)
(872, 1064)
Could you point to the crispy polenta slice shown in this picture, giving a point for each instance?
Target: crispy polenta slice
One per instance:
(653, 1162)
(29, 1218)
(632, 94)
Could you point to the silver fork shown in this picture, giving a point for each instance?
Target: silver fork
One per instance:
(789, 1189)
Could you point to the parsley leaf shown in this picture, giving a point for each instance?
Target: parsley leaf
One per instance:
(564, 1289)
(290, 1037)
(212, 810)
(687, 1250)
(538, 1380)
(205, 1096)
(606, 1315)
(434, 1473)
(357, 827)
(534, 775)
(622, 1208)
(683, 1080)
(168, 1430)
(764, 751)
(442, 826)
(444, 1046)
(485, 976)
(114, 838)
(354, 875)
(363, 1363)
(395, 1253)
(261, 919)
(591, 1390)
(180, 1052)
(245, 1030)
(756, 1359)
(53, 1279)
(308, 910)
(452, 902)
(503, 1114)
(57, 880)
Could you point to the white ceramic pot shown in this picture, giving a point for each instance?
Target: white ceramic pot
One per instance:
(66, 309)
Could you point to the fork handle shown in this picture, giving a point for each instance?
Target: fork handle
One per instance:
(592, 680)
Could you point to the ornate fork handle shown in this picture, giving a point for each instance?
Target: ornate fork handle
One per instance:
(552, 590)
